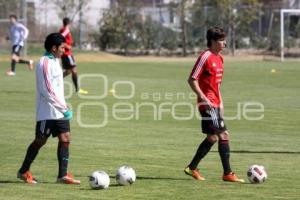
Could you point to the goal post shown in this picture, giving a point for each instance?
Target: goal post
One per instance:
(282, 14)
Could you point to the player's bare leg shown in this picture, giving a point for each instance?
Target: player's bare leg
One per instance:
(16, 59)
(67, 72)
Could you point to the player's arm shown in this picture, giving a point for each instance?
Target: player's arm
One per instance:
(8, 35)
(24, 30)
(68, 46)
(221, 105)
(45, 88)
(65, 33)
(195, 87)
(194, 77)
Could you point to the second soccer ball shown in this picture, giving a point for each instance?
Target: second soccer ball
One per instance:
(125, 175)
(99, 180)
(256, 174)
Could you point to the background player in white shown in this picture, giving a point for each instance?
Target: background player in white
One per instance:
(52, 113)
(17, 35)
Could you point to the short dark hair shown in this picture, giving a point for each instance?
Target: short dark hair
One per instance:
(53, 39)
(13, 16)
(214, 33)
(66, 21)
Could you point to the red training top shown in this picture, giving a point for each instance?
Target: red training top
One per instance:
(65, 31)
(208, 70)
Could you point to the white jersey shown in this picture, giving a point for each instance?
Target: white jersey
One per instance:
(18, 33)
(50, 100)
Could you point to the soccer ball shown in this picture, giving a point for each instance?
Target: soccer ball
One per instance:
(125, 175)
(257, 174)
(99, 180)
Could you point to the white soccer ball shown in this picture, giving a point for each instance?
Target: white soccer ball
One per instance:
(125, 175)
(257, 174)
(99, 180)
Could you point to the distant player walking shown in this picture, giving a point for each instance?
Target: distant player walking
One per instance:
(67, 59)
(52, 113)
(17, 35)
(205, 80)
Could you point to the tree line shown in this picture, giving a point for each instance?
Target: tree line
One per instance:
(124, 27)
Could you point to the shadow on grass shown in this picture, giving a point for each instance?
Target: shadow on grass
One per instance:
(110, 185)
(8, 181)
(157, 178)
(264, 152)
(142, 178)
(22, 182)
(163, 178)
(15, 92)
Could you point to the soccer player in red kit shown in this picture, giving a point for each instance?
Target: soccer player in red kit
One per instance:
(68, 62)
(205, 80)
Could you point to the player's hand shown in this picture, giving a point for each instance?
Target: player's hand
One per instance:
(69, 47)
(206, 103)
(68, 114)
(222, 110)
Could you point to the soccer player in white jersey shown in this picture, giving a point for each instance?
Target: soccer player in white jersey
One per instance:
(18, 33)
(52, 113)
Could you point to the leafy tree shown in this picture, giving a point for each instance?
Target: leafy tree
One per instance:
(233, 15)
(72, 8)
(118, 27)
(182, 8)
(170, 39)
(149, 33)
(238, 14)
(10, 7)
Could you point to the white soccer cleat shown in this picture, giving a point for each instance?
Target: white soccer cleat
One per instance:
(10, 73)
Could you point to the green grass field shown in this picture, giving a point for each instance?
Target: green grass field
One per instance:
(157, 146)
